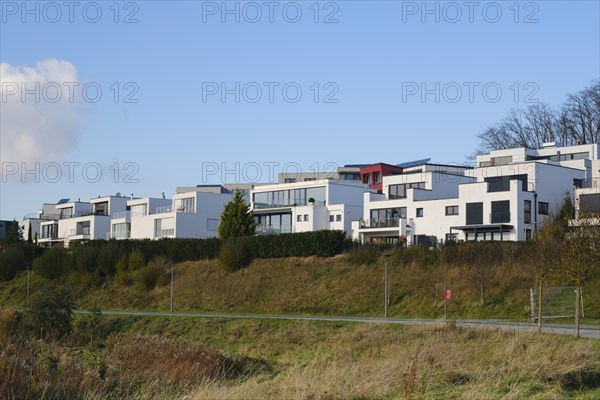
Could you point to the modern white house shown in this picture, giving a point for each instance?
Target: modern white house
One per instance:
(87, 221)
(189, 214)
(31, 223)
(308, 206)
(506, 197)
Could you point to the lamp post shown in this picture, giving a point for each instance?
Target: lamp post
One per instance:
(386, 289)
(172, 271)
(28, 267)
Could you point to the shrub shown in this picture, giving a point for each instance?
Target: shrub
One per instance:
(50, 313)
(323, 243)
(234, 255)
(153, 274)
(84, 258)
(365, 254)
(136, 260)
(11, 261)
(53, 264)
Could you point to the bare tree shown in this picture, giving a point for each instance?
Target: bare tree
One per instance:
(577, 121)
(580, 258)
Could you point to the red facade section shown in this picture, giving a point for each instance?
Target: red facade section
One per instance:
(372, 175)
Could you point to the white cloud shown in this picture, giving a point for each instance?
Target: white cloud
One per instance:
(40, 126)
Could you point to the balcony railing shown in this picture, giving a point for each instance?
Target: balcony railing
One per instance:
(44, 217)
(80, 232)
(121, 215)
(258, 205)
(499, 217)
(592, 183)
(166, 233)
(380, 223)
(274, 229)
(118, 235)
(163, 209)
(84, 213)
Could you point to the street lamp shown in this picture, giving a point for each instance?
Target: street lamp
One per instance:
(386, 289)
(28, 268)
(172, 270)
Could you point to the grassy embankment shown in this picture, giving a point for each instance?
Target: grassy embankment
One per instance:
(313, 285)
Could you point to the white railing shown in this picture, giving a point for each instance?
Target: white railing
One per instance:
(121, 215)
(163, 209)
(118, 235)
(165, 233)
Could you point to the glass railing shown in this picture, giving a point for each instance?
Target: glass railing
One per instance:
(380, 223)
(318, 203)
(274, 229)
(163, 209)
(121, 214)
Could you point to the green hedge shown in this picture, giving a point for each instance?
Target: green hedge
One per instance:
(101, 257)
(320, 243)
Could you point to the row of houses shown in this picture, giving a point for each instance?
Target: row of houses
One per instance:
(507, 195)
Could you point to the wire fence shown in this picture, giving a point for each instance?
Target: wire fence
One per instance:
(557, 302)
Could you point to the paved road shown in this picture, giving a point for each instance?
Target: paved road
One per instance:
(590, 331)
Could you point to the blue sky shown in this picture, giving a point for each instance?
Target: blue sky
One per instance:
(371, 61)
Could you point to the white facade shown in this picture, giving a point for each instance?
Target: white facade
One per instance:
(32, 223)
(308, 206)
(88, 221)
(506, 197)
(192, 214)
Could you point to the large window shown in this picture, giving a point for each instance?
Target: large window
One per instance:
(164, 227)
(121, 231)
(186, 205)
(502, 183)
(289, 180)
(451, 210)
(500, 212)
(589, 203)
(66, 213)
(275, 223)
(474, 213)
(377, 177)
(349, 176)
(527, 212)
(367, 179)
(388, 213)
(287, 198)
(399, 191)
(49, 231)
(139, 210)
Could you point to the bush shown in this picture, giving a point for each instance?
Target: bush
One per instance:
(155, 273)
(234, 254)
(50, 313)
(136, 260)
(53, 264)
(11, 261)
(320, 243)
(365, 254)
(85, 258)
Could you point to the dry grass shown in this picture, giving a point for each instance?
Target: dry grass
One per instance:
(301, 360)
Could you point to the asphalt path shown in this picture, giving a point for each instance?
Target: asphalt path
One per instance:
(589, 331)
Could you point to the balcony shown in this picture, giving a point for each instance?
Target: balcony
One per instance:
(118, 235)
(592, 183)
(43, 217)
(121, 215)
(284, 204)
(500, 217)
(380, 223)
(163, 209)
(274, 229)
(166, 233)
